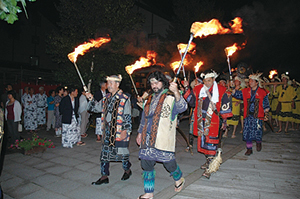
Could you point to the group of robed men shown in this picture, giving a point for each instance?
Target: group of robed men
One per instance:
(211, 103)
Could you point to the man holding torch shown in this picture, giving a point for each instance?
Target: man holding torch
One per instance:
(157, 131)
(212, 105)
(115, 126)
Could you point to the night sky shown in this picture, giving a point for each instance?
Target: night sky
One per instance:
(271, 29)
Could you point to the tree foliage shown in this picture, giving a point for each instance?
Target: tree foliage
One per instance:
(82, 20)
(9, 10)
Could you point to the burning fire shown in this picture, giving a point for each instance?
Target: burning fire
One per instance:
(175, 65)
(182, 47)
(272, 73)
(142, 62)
(232, 49)
(233, 69)
(214, 27)
(198, 65)
(82, 48)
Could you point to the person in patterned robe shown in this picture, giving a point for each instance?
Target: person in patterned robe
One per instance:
(116, 128)
(41, 99)
(256, 107)
(212, 108)
(30, 111)
(157, 131)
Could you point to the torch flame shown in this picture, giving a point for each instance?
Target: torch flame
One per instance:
(198, 65)
(175, 65)
(142, 62)
(82, 48)
(202, 29)
(230, 50)
(182, 47)
(233, 69)
(272, 73)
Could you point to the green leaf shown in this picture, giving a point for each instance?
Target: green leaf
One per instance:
(11, 18)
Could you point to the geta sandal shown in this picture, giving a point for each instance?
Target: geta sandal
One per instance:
(179, 187)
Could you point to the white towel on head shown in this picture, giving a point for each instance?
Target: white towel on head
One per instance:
(215, 92)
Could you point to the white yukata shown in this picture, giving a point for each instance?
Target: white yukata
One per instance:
(41, 108)
(30, 106)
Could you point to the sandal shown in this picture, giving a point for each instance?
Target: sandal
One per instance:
(140, 197)
(233, 136)
(179, 187)
(206, 174)
(80, 144)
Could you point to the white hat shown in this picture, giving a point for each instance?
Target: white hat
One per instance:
(114, 78)
(212, 74)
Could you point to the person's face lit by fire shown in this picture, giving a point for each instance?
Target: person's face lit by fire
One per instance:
(208, 82)
(112, 86)
(253, 83)
(156, 86)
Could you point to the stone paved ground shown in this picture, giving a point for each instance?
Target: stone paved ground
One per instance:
(68, 173)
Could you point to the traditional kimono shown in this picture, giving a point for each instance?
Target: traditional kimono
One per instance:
(285, 97)
(296, 109)
(30, 112)
(158, 129)
(41, 108)
(155, 146)
(255, 102)
(116, 117)
(206, 122)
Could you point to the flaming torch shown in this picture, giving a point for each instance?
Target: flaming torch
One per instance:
(182, 48)
(203, 29)
(272, 73)
(229, 51)
(141, 63)
(81, 49)
(197, 67)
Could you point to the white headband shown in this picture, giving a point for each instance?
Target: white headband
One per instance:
(213, 74)
(114, 78)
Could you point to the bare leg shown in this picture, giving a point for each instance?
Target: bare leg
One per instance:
(234, 130)
(286, 127)
(280, 125)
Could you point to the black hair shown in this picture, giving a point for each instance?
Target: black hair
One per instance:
(71, 89)
(159, 76)
(13, 93)
(51, 91)
(58, 89)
